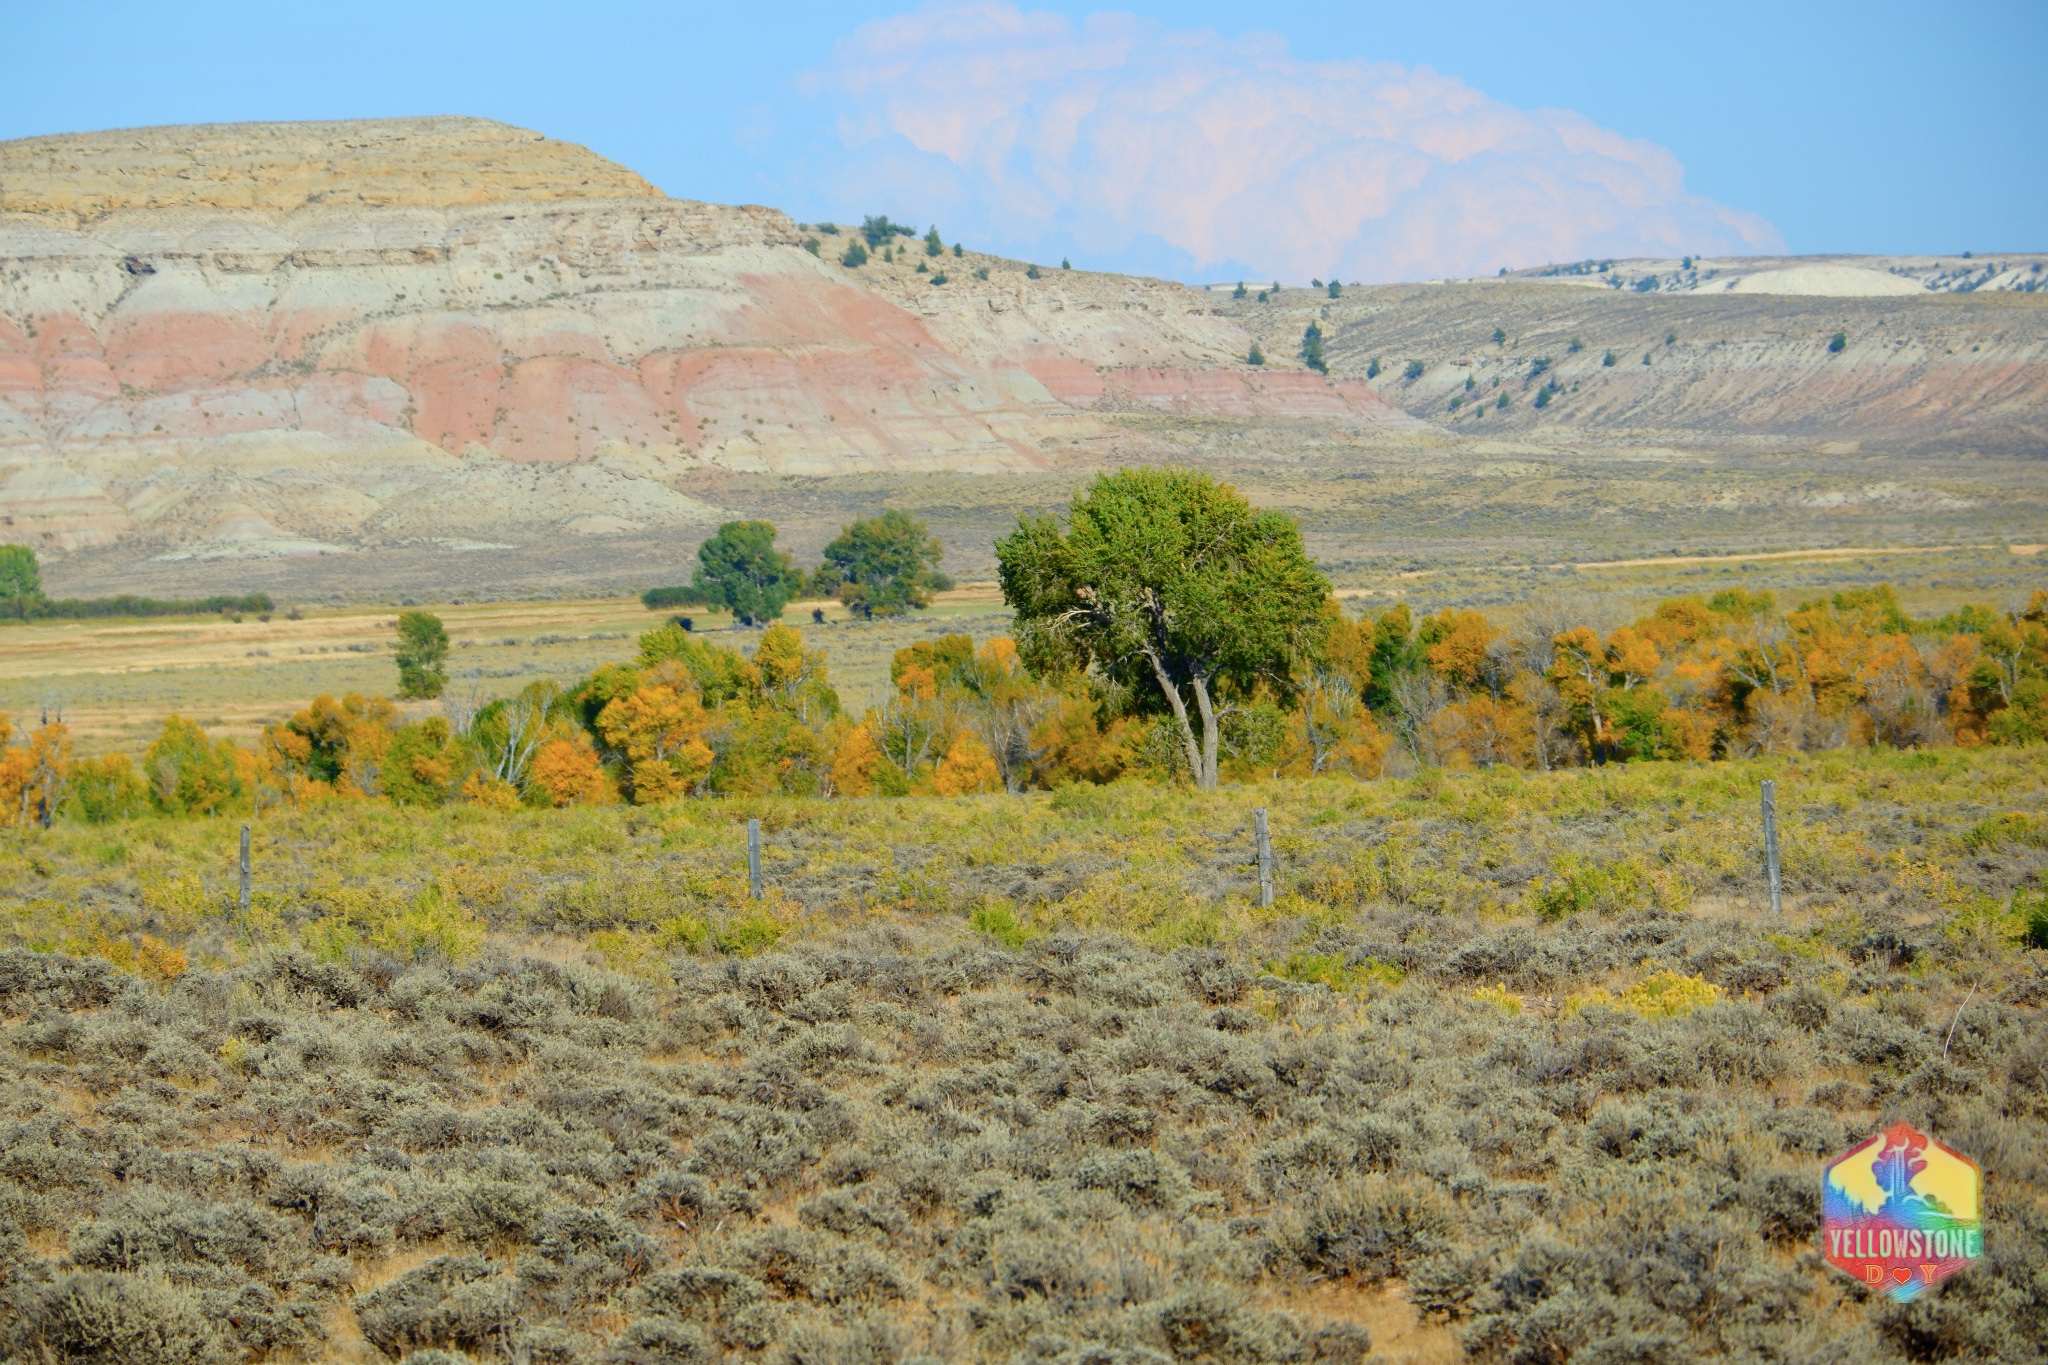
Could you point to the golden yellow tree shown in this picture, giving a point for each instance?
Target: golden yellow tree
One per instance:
(855, 756)
(1483, 733)
(1461, 653)
(968, 768)
(660, 731)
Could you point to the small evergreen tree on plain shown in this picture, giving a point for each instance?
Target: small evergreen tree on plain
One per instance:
(1335, 289)
(856, 255)
(1837, 342)
(932, 245)
(1257, 356)
(1500, 336)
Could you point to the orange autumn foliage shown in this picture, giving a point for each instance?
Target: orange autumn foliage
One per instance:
(568, 772)
(968, 768)
(659, 729)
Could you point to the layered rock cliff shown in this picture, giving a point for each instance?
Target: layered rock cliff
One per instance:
(447, 334)
(271, 339)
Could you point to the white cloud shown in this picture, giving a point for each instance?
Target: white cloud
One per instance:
(1135, 145)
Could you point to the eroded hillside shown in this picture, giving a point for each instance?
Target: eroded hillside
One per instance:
(1923, 371)
(447, 355)
(219, 342)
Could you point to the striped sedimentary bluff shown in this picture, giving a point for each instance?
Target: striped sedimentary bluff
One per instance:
(267, 339)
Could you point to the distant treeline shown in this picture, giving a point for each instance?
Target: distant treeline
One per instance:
(128, 604)
(22, 599)
(654, 599)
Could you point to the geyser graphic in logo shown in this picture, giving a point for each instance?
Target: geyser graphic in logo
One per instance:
(1900, 1212)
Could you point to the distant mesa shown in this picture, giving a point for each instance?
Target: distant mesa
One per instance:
(280, 167)
(1826, 281)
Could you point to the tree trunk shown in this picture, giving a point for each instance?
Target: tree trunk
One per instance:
(1206, 777)
(1180, 714)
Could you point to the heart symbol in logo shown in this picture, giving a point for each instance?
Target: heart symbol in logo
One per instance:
(1901, 1274)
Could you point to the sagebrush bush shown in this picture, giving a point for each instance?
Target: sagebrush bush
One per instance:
(906, 1127)
(96, 1318)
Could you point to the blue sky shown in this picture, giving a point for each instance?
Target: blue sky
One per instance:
(1867, 128)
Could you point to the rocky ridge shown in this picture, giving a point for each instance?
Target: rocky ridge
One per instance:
(448, 336)
(227, 341)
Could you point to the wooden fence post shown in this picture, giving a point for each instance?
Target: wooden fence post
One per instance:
(754, 858)
(1265, 858)
(1771, 843)
(243, 899)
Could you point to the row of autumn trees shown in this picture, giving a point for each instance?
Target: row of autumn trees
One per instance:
(1165, 629)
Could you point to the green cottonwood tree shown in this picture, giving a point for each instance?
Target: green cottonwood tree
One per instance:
(422, 654)
(1167, 580)
(21, 578)
(741, 570)
(883, 566)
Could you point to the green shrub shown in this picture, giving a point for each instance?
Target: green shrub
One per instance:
(2032, 912)
(998, 919)
(2007, 827)
(1576, 887)
(1330, 969)
(748, 935)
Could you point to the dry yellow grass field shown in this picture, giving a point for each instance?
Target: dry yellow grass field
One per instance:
(115, 680)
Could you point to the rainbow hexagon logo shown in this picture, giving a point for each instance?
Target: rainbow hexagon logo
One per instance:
(1902, 1212)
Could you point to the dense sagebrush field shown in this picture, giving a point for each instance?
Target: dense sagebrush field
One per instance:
(1518, 1068)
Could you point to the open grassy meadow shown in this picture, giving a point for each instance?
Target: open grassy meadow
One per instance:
(114, 681)
(1517, 1067)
